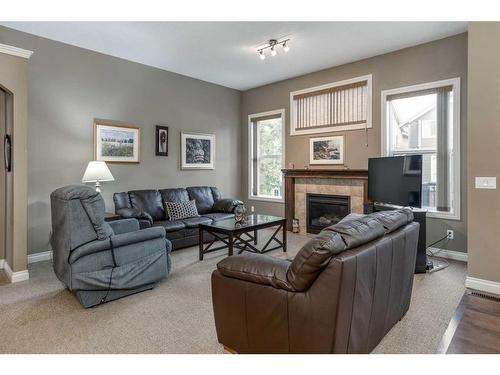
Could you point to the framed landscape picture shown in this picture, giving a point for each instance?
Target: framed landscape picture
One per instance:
(326, 150)
(161, 140)
(116, 142)
(197, 151)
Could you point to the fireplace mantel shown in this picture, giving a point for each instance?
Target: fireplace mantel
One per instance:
(292, 174)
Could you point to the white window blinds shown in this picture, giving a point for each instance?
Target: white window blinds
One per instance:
(338, 106)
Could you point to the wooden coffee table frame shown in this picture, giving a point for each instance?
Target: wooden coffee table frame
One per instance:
(233, 238)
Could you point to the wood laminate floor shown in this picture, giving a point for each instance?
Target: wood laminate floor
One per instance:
(475, 327)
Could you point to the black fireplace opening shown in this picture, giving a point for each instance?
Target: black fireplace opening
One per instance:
(325, 210)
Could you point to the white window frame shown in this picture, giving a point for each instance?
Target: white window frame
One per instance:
(280, 112)
(338, 128)
(455, 83)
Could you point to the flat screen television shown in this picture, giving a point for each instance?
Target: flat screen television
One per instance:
(396, 180)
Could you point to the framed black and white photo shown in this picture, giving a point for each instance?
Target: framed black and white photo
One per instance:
(326, 150)
(197, 151)
(161, 140)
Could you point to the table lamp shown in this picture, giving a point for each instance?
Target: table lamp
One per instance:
(97, 171)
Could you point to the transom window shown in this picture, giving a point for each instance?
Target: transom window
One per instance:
(425, 119)
(266, 155)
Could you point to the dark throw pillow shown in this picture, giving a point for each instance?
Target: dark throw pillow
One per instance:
(181, 210)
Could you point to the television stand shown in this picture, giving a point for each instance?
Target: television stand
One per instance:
(422, 264)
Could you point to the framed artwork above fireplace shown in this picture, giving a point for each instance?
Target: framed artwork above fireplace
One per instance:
(326, 150)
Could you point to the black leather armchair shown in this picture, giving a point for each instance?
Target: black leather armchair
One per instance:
(148, 207)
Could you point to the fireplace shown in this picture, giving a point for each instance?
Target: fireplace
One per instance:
(324, 210)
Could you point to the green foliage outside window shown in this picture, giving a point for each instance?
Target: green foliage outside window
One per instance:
(270, 151)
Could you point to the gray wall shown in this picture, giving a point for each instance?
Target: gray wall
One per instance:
(68, 87)
(442, 59)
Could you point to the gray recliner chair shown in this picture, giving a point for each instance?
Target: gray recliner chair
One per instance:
(100, 261)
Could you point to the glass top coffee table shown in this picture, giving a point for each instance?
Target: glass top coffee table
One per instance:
(242, 236)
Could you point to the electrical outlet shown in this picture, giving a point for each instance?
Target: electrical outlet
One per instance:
(450, 234)
(252, 208)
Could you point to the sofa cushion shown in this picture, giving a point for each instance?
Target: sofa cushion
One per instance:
(94, 207)
(181, 210)
(316, 254)
(312, 258)
(216, 193)
(148, 201)
(121, 200)
(170, 225)
(174, 195)
(203, 197)
(217, 216)
(357, 232)
(393, 219)
(193, 222)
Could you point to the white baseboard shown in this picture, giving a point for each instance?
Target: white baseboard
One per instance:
(2, 262)
(449, 254)
(40, 257)
(15, 277)
(483, 285)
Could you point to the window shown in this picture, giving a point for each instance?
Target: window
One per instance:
(266, 155)
(338, 106)
(425, 119)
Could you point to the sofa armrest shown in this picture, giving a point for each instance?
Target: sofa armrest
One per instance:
(226, 205)
(124, 225)
(138, 236)
(119, 240)
(255, 268)
(132, 213)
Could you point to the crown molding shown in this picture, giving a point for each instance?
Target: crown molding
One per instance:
(15, 51)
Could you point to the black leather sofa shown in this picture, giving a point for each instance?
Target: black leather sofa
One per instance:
(148, 207)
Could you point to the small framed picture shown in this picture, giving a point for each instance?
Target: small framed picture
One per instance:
(161, 140)
(116, 142)
(197, 151)
(326, 150)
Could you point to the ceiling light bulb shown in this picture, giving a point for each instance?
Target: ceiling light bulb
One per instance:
(273, 51)
(261, 55)
(285, 47)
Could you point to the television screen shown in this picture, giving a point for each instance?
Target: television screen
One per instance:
(396, 180)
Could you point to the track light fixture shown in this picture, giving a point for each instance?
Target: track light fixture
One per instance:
(272, 44)
(285, 47)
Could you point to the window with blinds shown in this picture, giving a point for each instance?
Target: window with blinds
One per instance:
(338, 106)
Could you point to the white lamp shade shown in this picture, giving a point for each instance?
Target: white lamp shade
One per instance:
(97, 171)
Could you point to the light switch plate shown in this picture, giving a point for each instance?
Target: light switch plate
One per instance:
(486, 182)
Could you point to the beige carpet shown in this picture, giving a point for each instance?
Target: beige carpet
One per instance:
(40, 316)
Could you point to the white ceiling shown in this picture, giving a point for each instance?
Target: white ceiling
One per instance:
(225, 52)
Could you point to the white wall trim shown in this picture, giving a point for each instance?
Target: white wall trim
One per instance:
(483, 285)
(2, 263)
(449, 254)
(15, 51)
(40, 257)
(16, 277)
